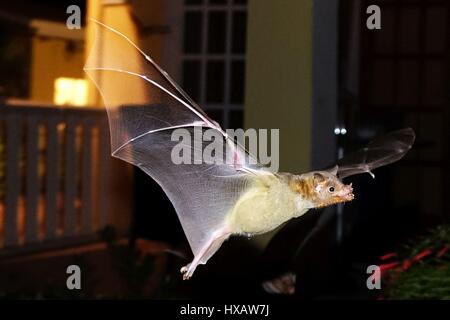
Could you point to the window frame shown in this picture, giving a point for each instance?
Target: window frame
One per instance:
(174, 56)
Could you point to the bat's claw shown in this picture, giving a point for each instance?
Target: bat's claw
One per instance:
(187, 272)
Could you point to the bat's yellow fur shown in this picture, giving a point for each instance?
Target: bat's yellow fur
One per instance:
(268, 203)
(274, 199)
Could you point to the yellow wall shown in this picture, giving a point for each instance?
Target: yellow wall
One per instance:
(279, 79)
(50, 60)
(279, 76)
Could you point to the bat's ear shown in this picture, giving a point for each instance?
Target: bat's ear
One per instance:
(318, 177)
(334, 170)
(320, 181)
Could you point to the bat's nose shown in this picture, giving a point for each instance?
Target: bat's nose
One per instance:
(350, 195)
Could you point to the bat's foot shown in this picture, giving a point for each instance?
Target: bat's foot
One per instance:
(187, 271)
(205, 252)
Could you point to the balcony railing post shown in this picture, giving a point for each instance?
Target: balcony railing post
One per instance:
(86, 190)
(32, 183)
(105, 168)
(70, 178)
(78, 180)
(51, 168)
(13, 179)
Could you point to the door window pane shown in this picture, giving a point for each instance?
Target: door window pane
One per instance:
(237, 82)
(193, 32)
(191, 78)
(239, 31)
(217, 32)
(215, 79)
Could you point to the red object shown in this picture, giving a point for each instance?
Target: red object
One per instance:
(388, 256)
(387, 266)
(422, 254)
(406, 265)
(442, 251)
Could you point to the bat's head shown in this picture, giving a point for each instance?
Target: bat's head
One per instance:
(326, 189)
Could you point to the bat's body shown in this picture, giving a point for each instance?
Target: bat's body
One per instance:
(213, 200)
(271, 200)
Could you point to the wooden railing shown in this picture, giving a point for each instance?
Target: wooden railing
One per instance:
(55, 169)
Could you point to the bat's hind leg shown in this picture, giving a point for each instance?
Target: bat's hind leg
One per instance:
(209, 248)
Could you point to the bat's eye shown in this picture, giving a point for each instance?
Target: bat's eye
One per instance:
(331, 189)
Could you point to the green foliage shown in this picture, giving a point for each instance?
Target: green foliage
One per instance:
(436, 239)
(428, 278)
(423, 281)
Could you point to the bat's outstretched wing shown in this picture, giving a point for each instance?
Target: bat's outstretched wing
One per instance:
(145, 106)
(380, 152)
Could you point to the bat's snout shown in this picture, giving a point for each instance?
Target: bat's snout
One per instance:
(346, 193)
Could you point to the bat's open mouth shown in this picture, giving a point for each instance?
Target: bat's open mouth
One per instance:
(347, 193)
(349, 197)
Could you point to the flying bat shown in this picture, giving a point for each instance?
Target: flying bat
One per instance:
(213, 199)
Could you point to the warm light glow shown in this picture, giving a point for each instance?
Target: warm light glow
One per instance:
(70, 91)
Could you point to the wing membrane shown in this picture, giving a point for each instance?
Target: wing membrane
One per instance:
(380, 152)
(144, 108)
